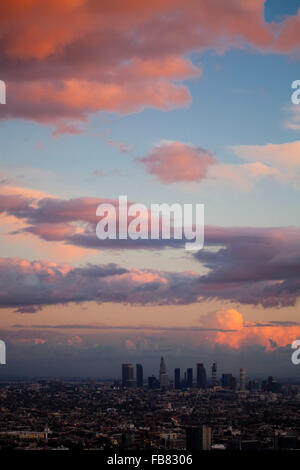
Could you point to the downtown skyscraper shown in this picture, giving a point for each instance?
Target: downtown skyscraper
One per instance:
(139, 375)
(201, 376)
(127, 374)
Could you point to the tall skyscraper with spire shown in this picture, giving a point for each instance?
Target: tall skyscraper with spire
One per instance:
(163, 377)
(162, 368)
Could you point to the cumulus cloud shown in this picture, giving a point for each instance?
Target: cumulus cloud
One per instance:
(282, 155)
(242, 176)
(71, 221)
(258, 266)
(39, 283)
(255, 266)
(270, 336)
(130, 64)
(283, 159)
(226, 327)
(171, 162)
(289, 35)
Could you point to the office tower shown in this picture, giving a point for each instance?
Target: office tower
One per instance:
(163, 377)
(189, 380)
(177, 383)
(127, 374)
(198, 438)
(201, 376)
(162, 368)
(139, 375)
(164, 381)
(214, 373)
(228, 381)
(242, 379)
(153, 383)
(272, 385)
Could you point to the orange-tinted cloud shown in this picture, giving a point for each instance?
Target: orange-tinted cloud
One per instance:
(268, 335)
(41, 29)
(289, 35)
(285, 155)
(65, 60)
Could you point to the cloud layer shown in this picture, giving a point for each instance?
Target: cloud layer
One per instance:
(133, 63)
(255, 266)
(61, 350)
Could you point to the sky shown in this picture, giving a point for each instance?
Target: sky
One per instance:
(164, 102)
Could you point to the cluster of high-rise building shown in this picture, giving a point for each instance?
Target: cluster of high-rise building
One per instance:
(128, 380)
(187, 381)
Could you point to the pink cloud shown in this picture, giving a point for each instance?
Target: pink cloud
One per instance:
(172, 162)
(131, 63)
(289, 35)
(74, 340)
(40, 283)
(281, 159)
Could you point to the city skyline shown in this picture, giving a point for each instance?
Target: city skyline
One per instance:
(201, 381)
(164, 102)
